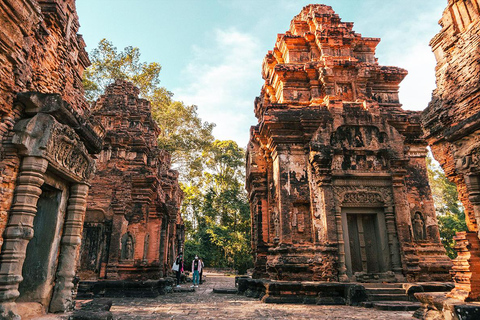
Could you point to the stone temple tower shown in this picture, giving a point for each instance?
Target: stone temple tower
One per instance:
(336, 170)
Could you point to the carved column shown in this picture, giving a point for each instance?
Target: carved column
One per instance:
(171, 239)
(71, 240)
(393, 241)
(342, 268)
(270, 198)
(163, 234)
(403, 224)
(473, 187)
(19, 231)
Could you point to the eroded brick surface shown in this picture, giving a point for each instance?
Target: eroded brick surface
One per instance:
(40, 51)
(451, 124)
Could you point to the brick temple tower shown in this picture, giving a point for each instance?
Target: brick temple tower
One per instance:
(336, 169)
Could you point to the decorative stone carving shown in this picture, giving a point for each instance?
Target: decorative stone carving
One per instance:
(127, 247)
(43, 136)
(369, 196)
(418, 226)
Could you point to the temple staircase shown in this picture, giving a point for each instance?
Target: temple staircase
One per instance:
(389, 296)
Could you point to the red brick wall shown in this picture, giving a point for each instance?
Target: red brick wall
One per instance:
(39, 51)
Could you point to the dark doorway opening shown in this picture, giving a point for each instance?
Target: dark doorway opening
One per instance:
(366, 247)
(42, 252)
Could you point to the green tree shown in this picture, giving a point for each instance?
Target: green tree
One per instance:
(185, 136)
(450, 213)
(183, 133)
(222, 228)
(109, 65)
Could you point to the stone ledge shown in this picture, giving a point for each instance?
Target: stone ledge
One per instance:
(436, 305)
(225, 290)
(124, 288)
(321, 293)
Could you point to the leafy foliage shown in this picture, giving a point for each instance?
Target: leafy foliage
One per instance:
(450, 213)
(217, 207)
(109, 65)
(183, 133)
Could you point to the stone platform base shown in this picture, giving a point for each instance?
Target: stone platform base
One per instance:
(337, 293)
(123, 288)
(436, 305)
(323, 293)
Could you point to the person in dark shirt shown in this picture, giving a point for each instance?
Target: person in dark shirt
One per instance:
(179, 263)
(196, 268)
(201, 270)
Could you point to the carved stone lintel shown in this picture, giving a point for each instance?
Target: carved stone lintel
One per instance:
(371, 196)
(43, 136)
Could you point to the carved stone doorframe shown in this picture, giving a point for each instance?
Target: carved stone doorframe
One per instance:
(47, 146)
(359, 194)
(19, 232)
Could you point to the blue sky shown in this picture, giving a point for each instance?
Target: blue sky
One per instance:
(211, 50)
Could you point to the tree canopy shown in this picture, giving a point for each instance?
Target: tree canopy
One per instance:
(217, 210)
(183, 133)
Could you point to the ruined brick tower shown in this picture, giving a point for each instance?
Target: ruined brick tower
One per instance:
(336, 170)
(133, 227)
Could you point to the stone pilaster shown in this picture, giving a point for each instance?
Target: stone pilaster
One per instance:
(393, 242)
(163, 237)
(342, 269)
(72, 236)
(19, 231)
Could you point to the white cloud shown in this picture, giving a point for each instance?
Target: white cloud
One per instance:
(223, 80)
(406, 45)
(416, 88)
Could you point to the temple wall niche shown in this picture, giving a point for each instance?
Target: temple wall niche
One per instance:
(348, 182)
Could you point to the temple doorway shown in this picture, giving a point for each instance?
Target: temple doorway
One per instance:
(41, 260)
(366, 245)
